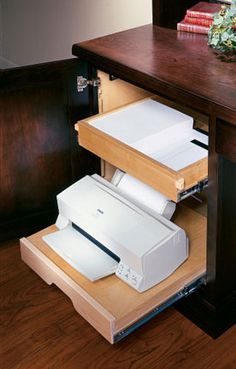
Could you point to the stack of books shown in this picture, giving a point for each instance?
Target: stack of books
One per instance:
(199, 17)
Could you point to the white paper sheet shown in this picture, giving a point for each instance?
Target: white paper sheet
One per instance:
(81, 253)
(143, 195)
(183, 152)
(147, 118)
(156, 130)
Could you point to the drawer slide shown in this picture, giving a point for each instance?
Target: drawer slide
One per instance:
(184, 293)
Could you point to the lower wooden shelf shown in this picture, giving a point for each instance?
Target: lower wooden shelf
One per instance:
(110, 305)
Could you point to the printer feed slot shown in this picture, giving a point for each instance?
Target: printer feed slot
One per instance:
(96, 242)
(199, 143)
(201, 131)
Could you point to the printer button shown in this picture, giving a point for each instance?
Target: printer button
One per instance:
(120, 268)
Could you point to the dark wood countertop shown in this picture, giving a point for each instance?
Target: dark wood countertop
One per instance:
(174, 64)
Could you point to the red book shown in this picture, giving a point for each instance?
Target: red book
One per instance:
(203, 10)
(201, 21)
(194, 28)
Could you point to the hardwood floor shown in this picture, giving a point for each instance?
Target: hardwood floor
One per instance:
(39, 329)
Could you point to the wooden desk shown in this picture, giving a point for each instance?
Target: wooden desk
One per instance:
(181, 67)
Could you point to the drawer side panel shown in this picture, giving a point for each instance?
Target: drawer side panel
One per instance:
(131, 161)
(84, 304)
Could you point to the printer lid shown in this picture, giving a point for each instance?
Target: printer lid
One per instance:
(98, 209)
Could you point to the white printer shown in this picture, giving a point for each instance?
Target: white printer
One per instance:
(101, 232)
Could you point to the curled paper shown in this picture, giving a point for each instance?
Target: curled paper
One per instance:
(143, 195)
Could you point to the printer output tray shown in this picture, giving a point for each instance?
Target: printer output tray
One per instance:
(112, 307)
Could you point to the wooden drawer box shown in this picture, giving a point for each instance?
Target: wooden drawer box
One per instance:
(175, 184)
(110, 305)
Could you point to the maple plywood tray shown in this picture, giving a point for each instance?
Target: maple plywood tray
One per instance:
(173, 183)
(110, 305)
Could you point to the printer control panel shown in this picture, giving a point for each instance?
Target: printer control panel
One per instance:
(128, 275)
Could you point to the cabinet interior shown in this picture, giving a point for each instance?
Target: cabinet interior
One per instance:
(109, 304)
(117, 93)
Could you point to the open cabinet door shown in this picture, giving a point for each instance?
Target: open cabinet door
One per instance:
(39, 154)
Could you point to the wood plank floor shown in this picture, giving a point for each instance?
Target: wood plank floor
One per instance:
(39, 329)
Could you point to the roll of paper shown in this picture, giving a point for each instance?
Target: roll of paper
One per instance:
(143, 195)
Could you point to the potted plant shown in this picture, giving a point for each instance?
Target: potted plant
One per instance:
(222, 33)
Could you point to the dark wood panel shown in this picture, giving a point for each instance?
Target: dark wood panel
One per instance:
(166, 13)
(226, 140)
(225, 272)
(221, 258)
(214, 306)
(35, 134)
(158, 59)
(39, 155)
(40, 329)
(214, 319)
(31, 75)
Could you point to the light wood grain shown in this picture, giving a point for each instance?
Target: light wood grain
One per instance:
(41, 330)
(83, 303)
(141, 166)
(116, 297)
(111, 95)
(194, 173)
(129, 160)
(117, 93)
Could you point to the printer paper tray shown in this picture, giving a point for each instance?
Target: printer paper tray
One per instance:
(175, 184)
(109, 304)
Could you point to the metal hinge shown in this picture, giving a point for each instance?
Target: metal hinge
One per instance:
(82, 83)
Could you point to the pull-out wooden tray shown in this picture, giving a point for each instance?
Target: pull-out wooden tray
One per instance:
(175, 184)
(109, 305)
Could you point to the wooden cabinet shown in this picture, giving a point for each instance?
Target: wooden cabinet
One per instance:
(39, 155)
(110, 305)
(186, 73)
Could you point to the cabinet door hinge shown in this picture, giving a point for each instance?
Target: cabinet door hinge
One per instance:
(82, 83)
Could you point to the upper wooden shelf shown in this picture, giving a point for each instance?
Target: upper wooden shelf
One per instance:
(174, 64)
